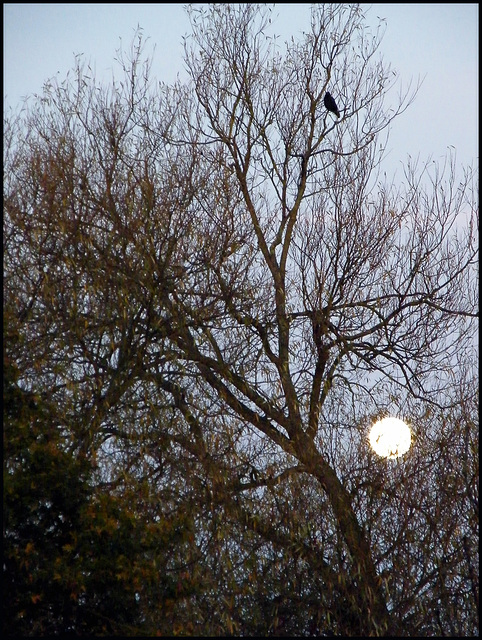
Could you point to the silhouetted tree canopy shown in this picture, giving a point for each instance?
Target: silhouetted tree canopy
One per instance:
(211, 291)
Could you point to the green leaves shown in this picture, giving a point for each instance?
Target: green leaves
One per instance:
(208, 292)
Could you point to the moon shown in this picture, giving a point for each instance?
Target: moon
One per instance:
(390, 437)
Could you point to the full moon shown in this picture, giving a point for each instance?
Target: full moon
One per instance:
(390, 437)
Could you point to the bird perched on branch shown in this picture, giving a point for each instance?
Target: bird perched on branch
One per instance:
(330, 104)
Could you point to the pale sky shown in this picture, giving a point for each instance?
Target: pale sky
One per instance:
(435, 41)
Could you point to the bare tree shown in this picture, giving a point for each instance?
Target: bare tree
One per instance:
(219, 271)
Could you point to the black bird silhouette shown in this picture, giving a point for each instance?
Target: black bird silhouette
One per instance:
(330, 104)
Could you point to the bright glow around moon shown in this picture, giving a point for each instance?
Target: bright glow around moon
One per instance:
(390, 437)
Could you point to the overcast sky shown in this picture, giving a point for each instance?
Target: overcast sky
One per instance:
(438, 42)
